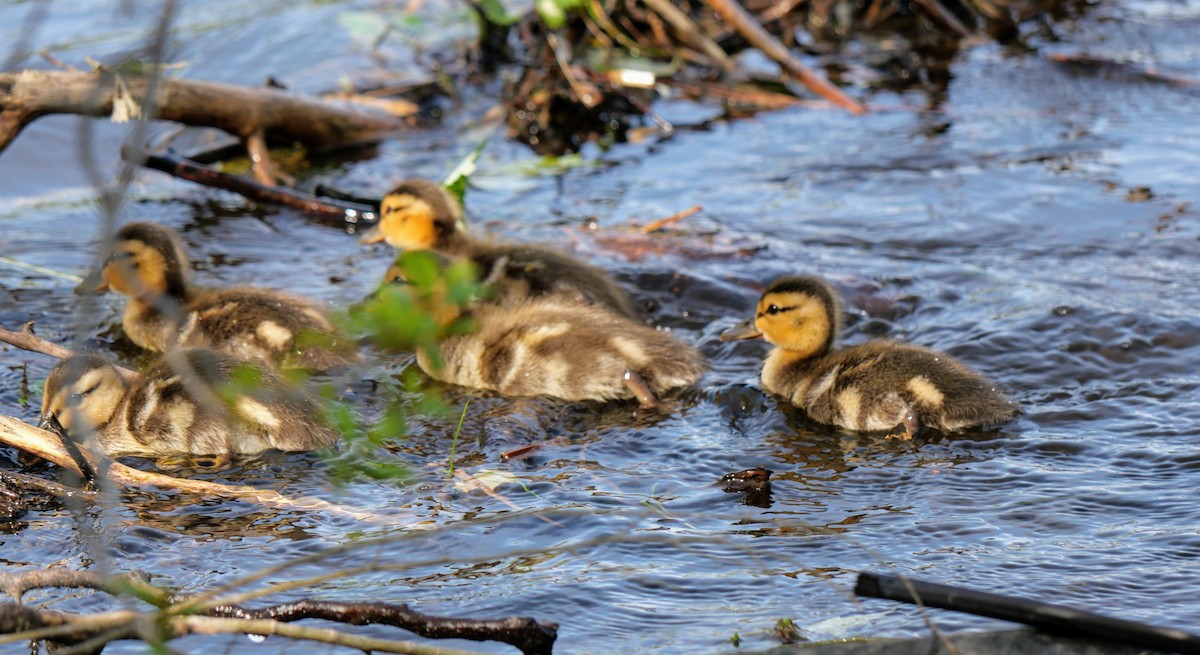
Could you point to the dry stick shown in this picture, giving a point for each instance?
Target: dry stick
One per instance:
(27, 340)
(202, 625)
(1054, 618)
(340, 213)
(529, 635)
(260, 158)
(30, 94)
(655, 226)
(737, 96)
(750, 29)
(942, 15)
(46, 445)
(691, 33)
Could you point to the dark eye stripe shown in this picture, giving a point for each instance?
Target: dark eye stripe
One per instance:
(89, 389)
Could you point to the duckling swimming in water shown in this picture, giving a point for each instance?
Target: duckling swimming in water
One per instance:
(422, 215)
(148, 264)
(874, 386)
(554, 346)
(175, 407)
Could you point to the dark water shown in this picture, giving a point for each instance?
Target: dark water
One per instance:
(1004, 225)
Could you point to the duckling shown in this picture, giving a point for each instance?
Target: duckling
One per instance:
(874, 386)
(147, 262)
(422, 215)
(175, 407)
(552, 345)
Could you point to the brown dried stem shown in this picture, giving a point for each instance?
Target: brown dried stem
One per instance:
(751, 30)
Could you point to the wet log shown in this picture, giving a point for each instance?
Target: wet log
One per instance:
(1052, 618)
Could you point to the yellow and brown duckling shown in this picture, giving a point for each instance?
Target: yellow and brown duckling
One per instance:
(148, 264)
(874, 386)
(553, 346)
(422, 215)
(188, 402)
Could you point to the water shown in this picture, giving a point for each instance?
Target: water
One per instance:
(1002, 225)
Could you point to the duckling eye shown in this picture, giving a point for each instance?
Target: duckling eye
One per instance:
(773, 309)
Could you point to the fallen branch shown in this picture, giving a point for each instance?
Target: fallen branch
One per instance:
(241, 111)
(743, 23)
(1053, 618)
(27, 340)
(343, 213)
(47, 445)
(532, 637)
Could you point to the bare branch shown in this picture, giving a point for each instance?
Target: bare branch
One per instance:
(751, 30)
(240, 111)
(344, 213)
(27, 340)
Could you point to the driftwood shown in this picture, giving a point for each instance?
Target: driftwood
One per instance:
(254, 115)
(1052, 618)
(532, 637)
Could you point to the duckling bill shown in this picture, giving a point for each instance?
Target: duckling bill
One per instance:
(182, 404)
(147, 263)
(876, 386)
(422, 215)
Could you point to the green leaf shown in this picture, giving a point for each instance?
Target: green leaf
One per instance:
(494, 13)
(456, 180)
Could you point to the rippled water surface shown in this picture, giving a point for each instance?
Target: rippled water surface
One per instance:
(1008, 224)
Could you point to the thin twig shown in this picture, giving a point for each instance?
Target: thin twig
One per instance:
(659, 224)
(751, 30)
(691, 33)
(260, 158)
(203, 625)
(944, 17)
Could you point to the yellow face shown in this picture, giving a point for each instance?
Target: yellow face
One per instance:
(134, 269)
(405, 222)
(82, 400)
(793, 321)
(796, 321)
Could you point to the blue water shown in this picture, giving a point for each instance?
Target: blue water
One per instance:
(997, 225)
